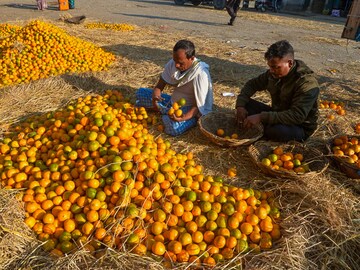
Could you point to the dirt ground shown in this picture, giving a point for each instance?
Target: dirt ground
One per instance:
(316, 38)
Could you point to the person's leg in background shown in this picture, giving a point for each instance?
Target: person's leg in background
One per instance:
(230, 9)
(236, 7)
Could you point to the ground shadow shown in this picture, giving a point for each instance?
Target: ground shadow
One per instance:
(28, 6)
(92, 84)
(168, 18)
(283, 13)
(222, 71)
(303, 15)
(154, 2)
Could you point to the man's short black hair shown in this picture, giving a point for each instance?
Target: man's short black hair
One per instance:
(186, 45)
(280, 49)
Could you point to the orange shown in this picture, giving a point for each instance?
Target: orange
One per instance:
(87, 228)
(183, 256)
(299, 157)
(193, 249)
(48, 218)
(158, 248)
(219, 241)
(288, 165)
(278, 151)
(231, 242)
(157, 228)
(69, 225)
(233, 222)
(197, 237)
(185, 239)
(266, 162)
(252, 219)
(191, 226)
(209, 236)
(175, 247)
(246, 228)
(171, 234)
(178, 210)
(92, 216)
(30, 221)
(220, 132)
(209, 261)
(159, 215)
(261, 212)
(63, 215)
(285, 157)
(266, 224)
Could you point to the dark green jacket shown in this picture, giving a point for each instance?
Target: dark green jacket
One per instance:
(294, 98)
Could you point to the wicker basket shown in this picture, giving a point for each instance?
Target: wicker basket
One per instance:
(211, 122)
(351, 170)
(315, 160)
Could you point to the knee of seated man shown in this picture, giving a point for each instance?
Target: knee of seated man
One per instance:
(172, 132)
(273, 132)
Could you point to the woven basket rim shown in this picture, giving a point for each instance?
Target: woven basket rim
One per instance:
(286, 174)
(229, 142)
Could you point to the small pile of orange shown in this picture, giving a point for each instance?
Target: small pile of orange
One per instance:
(288, 161)
(347, 148)
(176, 108)
(221, 133)
(94, 177)
(336, 106)
(110, 26)
(39, 50)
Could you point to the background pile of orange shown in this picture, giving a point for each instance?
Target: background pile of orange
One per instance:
(348, 148)
(39, 50)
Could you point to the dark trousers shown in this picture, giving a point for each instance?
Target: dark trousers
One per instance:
(277, 132)
(232, 7)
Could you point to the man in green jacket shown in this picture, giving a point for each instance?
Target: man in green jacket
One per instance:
(294, 95)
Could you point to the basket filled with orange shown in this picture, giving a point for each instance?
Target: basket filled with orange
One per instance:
(222, 129)
(345, 151)
(293, 160)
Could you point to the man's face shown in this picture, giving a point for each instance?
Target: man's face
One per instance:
(280, 67)
(182, 63)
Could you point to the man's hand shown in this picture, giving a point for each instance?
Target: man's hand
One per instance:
(156, 97)
(187, 116)
(252, 120)
(177, 119)
(241, 114)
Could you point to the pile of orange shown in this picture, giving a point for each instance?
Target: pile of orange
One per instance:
(221, 133)
(93, 177)
(288, 161)
(336, 106)
(347, 148)
(110, 26)
(176, 108)
(39, 50)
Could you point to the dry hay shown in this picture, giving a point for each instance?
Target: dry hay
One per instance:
(320, 216)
